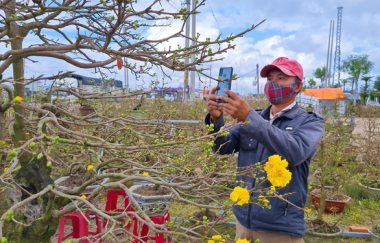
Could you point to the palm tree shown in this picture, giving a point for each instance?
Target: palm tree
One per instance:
(356, 66)
(320, 73)
(364, 92)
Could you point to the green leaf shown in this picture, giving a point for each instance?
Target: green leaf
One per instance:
(3, 240)
(9, 215)
(11, 154)
(40, 155)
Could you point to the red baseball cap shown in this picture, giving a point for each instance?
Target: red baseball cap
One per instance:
(288, 66)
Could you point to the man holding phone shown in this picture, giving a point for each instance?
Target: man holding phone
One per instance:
(283, 128)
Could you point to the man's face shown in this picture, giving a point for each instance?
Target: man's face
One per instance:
(282, 79)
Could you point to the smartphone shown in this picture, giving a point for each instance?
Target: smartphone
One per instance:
(225, 77)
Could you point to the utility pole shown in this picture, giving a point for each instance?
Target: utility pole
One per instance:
(326, 82)
(257, 82)
(209, 80)
(337, 46)
(331, 50)
(193, 27)
(186, 87)
(126, 80)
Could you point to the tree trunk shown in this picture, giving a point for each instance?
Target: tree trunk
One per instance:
(3, 121)
(33, 176)
(37, 216)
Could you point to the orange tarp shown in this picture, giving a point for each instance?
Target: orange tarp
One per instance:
(325, 93)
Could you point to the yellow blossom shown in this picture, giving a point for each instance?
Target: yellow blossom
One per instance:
(242, 241)
(146, 173)
(307, 210)
(90, 167)
(83, 196)
(216, 239)
(240, 195)
(6, 169)
(263, 200)
(18, 99)
(277, 173)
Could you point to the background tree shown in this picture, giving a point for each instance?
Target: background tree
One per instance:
(376, 88)
(344, 82)
(365, 88)
(356, 66)
(311, 83)
(49, 137)
(320, 73)
(376, 85)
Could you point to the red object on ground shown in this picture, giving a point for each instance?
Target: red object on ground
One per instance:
(80, 227)
(361, 229)
(143, 235)
(113, 196)
(140, 229)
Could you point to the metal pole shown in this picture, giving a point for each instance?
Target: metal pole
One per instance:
(209, 80)
(187, 42)
(324, 83)
(193, 29)
(125, 77)
(257, 82)
(331, 77)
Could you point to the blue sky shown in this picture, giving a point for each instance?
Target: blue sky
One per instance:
(294, 28)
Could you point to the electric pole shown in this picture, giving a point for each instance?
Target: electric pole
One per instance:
(186, 88)
(193, 27)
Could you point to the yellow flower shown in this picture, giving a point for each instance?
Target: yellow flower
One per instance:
(90, 167)
(18, 99)
(83, 196)
(6, 169)
(307, 210)
(277, 173)
(240, 195)
(242, 241)
(216, 239)
(263, 200)
(146, 173)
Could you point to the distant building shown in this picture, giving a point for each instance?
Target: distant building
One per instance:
(96, 85)
(323, 99)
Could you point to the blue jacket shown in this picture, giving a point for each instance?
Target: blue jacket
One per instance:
(294, 135)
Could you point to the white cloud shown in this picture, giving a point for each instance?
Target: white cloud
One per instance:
(295, 28)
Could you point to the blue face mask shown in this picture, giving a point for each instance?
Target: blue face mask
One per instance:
(278, 94)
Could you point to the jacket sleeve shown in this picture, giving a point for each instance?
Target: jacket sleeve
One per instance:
(296, 146)
(224, 144)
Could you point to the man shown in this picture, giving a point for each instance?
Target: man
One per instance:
(283, 128)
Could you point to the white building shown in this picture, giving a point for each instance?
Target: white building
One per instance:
(323, 99)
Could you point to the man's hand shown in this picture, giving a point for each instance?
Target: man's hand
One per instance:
(213, 106)
(234, 105)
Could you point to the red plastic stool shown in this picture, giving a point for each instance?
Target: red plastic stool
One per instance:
(161, 219)
(80, 226)
(113, 195)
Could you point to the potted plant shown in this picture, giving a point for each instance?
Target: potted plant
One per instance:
(152, 198)
(368, 152)
(369, 183)
(329, 166)
(85, 108)
(375, 231)
(334, 203)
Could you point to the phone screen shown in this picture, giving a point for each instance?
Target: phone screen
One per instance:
(225, 75)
